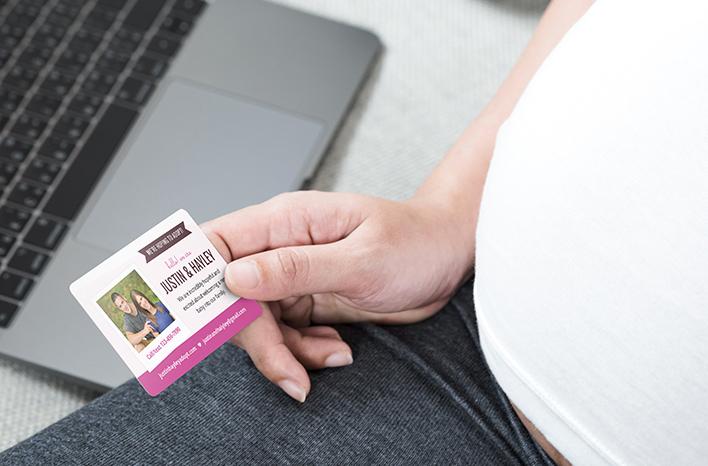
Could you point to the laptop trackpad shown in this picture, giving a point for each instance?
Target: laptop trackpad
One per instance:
(201, 150)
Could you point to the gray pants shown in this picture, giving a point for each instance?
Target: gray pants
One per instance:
(415, 394)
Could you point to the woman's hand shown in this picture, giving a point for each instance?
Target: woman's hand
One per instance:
(147, 329)
(328, 258)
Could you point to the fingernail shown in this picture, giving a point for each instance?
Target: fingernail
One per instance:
(244, 274)
(294, 390)
(338, 360)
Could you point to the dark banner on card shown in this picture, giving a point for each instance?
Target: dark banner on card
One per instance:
(165, 241)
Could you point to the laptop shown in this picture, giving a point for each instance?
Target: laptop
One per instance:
(116, 113)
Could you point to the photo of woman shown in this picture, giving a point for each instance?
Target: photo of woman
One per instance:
(157, 313)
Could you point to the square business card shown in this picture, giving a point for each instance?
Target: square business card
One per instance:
(162, 302)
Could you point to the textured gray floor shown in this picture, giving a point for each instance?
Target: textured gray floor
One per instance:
(443, 61)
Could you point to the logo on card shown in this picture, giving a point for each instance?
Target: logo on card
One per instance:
(165, 241)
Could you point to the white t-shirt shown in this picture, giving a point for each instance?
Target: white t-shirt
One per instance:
(592, 246)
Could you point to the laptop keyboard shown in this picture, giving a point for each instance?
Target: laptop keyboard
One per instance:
(74, 75)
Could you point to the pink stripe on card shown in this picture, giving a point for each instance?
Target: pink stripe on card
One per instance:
(200, 345)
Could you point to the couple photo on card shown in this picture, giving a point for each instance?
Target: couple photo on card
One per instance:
(135, 309)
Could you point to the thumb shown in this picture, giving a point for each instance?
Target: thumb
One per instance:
(293, 271)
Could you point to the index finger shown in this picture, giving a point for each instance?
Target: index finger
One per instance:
(290, 219)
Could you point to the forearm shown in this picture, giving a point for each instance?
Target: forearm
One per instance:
(135, 338)
(457, 182)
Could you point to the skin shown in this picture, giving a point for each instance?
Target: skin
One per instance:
(321, 258)
(147, 305)
(134, 338)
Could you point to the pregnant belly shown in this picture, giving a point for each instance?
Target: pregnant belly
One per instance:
(592, 242)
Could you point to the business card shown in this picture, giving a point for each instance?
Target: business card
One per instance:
(162, 303)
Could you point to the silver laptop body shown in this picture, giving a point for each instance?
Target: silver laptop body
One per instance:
(245, 111)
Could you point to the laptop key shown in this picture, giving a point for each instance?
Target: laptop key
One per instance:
(86, 105)
(37, 3)
(188, 8)
(42, 171)
(86, 40)
(28, 261)
(163, 46)
(8, 42)
(77, 3)
(27, 194)
(100, 82)
(113, 60)
(6, 242)
(54, 30)
(57, 83)
(143, 14)
(59, 18)
(56, 148)
(14, 150)
(66, 10)
(177, 26)
(71, 127)
(36, 56)
(126, 40)
(7, 312)
(110, 4)
(14, 286)
(73, 61)
(135, 91)
(23, 15)
(29, 126)
(14, 31)
(5, 53)
(45, 233)
(102, 19)
(98, 150)
(49, 35)
(20, 21)
(44, 105)
(13, 219)
(21, 76)
(29, 9)
(151, 67)
(7, 172)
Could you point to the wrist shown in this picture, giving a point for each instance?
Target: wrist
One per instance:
(454, 189)
(450, 230)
